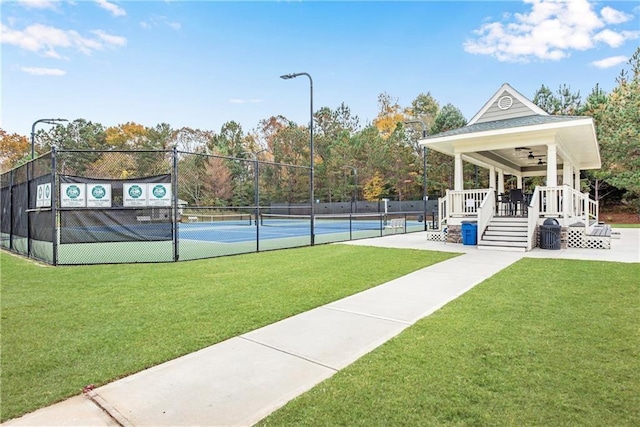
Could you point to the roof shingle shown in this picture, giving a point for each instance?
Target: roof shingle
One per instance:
(505, 124)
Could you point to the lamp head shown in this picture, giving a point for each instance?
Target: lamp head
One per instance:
(54, 121)
(291, 76)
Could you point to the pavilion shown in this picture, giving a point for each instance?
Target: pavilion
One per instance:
(511, 136)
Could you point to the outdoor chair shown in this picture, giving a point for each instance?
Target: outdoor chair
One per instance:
(502, 204)
(516, 198)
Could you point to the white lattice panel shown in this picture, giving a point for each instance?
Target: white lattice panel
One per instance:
(592, 242)
(437, 236)
(578, 239)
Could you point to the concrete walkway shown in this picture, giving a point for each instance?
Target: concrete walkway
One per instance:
(240, 381)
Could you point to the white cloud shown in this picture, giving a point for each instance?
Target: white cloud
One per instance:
(156, 21)
(36, 71)
(615, 39)
(49, 41)
(110, 39)
(610, 62)
(613, 16)
(111, 7)
(39, 4)
(551, 30)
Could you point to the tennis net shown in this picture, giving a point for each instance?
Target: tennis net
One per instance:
(219, 219)
(338, 221)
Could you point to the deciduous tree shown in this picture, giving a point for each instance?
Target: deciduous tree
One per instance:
(14, 150)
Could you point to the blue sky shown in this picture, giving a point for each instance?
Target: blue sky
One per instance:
(203, 63)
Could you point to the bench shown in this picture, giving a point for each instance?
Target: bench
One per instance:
(601, 231)
(395, 224)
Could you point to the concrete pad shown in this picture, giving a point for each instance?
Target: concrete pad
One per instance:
(234, 383)
(328, 337)
(625, 249)
(417, 240)
(76, 411)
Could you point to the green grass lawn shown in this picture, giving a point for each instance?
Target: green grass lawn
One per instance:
(67, 327)
(625, 225)
(542, 343)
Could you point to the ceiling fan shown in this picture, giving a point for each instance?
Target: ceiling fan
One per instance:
(519, 152)
(531, 157)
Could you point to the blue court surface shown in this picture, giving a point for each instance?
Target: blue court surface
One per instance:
(234, 232)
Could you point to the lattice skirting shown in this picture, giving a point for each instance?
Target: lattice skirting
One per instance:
(578, 239)
(437, 236)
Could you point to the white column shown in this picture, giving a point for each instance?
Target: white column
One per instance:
(576, 177)
(552, 166)
(492, 177)
(519, 178)
(458, 179)
(567, 174)
(500, 181)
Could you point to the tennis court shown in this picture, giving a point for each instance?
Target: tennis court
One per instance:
(78, 207)
(206, 235)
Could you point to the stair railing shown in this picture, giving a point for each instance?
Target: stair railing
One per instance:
(486, 211)
(442, 211)
(533, 213)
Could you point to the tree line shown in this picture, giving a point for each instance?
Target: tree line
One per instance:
(383, 154)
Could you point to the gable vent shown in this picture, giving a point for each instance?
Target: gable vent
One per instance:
(505, 102)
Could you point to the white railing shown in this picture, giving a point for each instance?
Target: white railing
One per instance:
(567, 203)
(533, 213)
(593, 209)
(465, 202)
(442, 211)
(550, 201)
(486, 211)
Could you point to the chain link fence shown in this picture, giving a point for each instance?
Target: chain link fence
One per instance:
(90, 207)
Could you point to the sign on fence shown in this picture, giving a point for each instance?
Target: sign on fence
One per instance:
(43, 199)
(134, 194)
(159, 194)
(73, 195)
(98, 195)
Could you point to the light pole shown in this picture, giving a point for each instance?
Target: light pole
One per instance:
(311, 196)
(424, 166)
(355, 185)
(33, 131)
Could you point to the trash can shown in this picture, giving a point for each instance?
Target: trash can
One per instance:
(469, 232)
(550, 234)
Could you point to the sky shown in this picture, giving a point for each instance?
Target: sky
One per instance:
(200, 64)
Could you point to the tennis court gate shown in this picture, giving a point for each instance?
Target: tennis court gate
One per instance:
(70, 207)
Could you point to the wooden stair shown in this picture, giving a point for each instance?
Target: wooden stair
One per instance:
(505, 234)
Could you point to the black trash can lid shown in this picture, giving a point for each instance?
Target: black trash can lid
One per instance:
(551, 221)
(469, 222)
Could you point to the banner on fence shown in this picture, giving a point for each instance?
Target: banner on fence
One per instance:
(98, 195)
(43, 199)
(73, 195)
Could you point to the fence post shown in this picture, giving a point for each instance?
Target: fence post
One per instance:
(11, 231)
(174, 186)
(28, 207)
(54, 201)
